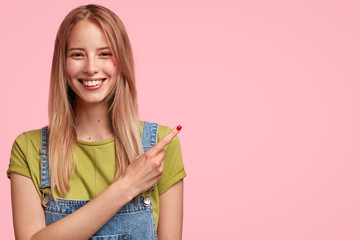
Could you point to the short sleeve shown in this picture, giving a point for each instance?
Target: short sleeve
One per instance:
(18, 162)
(173, 163)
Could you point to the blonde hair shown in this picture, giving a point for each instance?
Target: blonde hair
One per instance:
(123, 108)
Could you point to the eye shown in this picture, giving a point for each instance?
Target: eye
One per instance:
(105, 54)
(76, 55)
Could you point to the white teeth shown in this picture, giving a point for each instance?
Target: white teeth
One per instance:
(92, 83)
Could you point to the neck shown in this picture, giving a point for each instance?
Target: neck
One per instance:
(93, 122)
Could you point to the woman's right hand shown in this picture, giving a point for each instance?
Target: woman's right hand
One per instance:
(146, 170)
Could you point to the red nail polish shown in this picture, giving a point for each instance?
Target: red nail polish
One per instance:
(179, 127)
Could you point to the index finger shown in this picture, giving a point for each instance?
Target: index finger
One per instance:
(165, 140)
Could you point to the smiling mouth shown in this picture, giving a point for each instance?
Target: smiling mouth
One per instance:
(92, 82)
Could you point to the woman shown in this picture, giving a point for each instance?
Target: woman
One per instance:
(86, 175)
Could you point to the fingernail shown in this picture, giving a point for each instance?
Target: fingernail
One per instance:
(179, 128)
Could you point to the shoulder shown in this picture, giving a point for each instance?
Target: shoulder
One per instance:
(163, 130)
(32, 137)
(173, 163)
(27, 144)
(24, 157)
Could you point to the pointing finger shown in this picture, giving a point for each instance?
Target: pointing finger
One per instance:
(165, 140)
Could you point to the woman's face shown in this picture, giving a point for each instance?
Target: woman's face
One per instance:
(90, 66)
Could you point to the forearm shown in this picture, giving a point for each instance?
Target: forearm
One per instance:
(84, 222)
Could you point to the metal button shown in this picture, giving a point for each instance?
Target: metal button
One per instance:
(147, 201)
(45, 201)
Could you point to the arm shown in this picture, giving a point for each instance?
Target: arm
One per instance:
(171, 213)
(29, 217)
(28, 214)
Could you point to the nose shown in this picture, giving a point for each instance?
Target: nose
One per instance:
(91, 66)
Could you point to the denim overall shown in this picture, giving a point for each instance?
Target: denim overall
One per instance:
(134, 221)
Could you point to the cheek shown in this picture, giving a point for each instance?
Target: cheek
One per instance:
(110, 68)
(72, 68)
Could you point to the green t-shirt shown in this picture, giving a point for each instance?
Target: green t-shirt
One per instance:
(95, 165)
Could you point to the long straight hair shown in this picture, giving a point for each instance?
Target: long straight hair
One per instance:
(123, 108)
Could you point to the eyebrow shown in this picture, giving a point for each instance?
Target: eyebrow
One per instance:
(83, 49)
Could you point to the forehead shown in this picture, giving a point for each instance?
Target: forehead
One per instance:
(86, 34)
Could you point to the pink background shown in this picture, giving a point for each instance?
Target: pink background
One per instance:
(267, 93)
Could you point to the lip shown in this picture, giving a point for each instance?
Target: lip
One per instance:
(92, 88)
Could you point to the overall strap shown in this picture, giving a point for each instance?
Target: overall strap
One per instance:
(149, 139)
(44, 164)
(149, 135)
